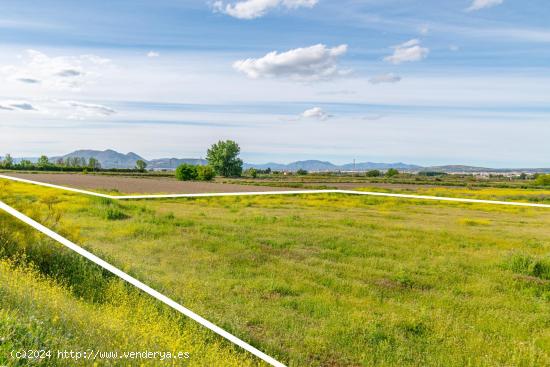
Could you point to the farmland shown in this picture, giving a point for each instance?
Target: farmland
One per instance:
(332, 280)
(145, 184)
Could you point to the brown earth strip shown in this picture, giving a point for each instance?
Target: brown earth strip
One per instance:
(134, 185)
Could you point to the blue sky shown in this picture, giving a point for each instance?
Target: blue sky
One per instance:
(426, 82)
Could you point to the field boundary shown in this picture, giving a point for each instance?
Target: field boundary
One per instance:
(289, 192)
(138, 284)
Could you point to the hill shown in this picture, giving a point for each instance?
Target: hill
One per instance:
(173, 163)
(112, 159)
(315, 165)
(108, 158)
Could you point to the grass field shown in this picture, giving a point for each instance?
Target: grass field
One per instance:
(333, 280)
(52, 299)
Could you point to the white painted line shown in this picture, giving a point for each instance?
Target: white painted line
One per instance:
(292, 192)
(176, 306)
(56, 186)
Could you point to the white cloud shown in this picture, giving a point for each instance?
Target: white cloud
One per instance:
(315, 113)
(312, 63)
(153, 54)
(17, 106)
(407, 52)
(454, 48)
(482, 4)
(70, 110)
(81, 110)
(250, 9)
(385, 78)
(55, 73)
(28, 80)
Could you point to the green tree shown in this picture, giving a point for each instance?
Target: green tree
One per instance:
(25, 163)
(8, 161)
(141, 165)
(43, 161)
(301, 172)
(205, 173)
(392, 172)
(186, 172)
(93, 164)
(374, 173)
(223, 157)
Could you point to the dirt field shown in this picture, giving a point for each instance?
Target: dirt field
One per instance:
(134, 185)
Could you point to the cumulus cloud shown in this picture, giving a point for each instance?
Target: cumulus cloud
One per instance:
(153, 54)
(56, 73)
(407, 52)
(250, 9)
(317, 62)
(482, 4)
(315, 113)
(385, 78)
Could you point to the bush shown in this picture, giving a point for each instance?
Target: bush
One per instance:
(431, 173)
(205, 173)
(543, 180)
(392, 172)
(374, 173)
(301, 172)
(186, 172)
(251, 172)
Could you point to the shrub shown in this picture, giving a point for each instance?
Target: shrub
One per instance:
(543, 180)
(251, 172)
(301, 172)
(392, 172)
(186, 172)
(205, 173)
(374, 173)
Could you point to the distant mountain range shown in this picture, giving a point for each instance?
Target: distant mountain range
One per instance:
(113, 159)
(314, 165)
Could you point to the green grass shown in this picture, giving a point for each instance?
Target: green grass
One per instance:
(52, 299)
(335, 280)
